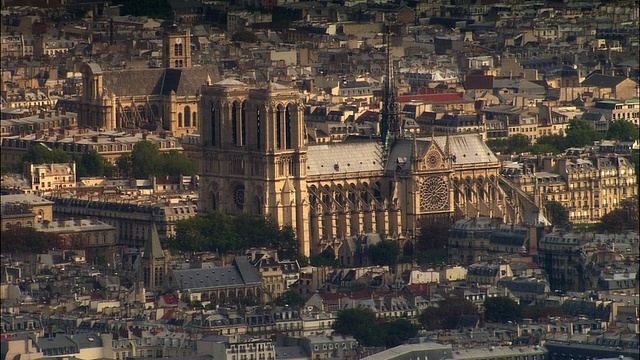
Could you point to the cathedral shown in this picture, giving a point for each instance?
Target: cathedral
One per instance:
(255, 159)
(163, 98)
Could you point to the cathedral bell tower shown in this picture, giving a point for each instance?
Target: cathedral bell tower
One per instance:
(254, 153)
(176, 47)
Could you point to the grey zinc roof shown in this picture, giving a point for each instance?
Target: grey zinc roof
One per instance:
(344, 158)
(24, 198)
(239, 274)
(468, 149)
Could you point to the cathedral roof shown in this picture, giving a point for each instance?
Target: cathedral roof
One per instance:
(184, 81)
(230, 82)
(467, 149)
(344, 158)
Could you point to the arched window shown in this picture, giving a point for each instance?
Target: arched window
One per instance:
(279, 119)
(194, 119)
(288, 127)
(153, 115)
(177, 63)
(187, 116)
(141, 112)
(258, 130)
(213, 124)
(243, 124)
(234, 123)
(179, 120)
(176, 49)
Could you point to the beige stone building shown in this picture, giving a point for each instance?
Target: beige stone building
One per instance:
(47, 178)
(160, 98)
(25, 210)
(256, 160)
(587, 187)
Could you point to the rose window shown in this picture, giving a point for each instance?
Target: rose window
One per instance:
(434, 194)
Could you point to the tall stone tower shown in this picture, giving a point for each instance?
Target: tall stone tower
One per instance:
(154, 264)
(254, 154)
(176, 47)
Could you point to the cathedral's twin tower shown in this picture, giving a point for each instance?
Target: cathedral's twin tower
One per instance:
(254, 153)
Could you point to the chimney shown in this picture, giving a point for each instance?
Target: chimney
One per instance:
(59, 137)
(41, 115)
(52, 131)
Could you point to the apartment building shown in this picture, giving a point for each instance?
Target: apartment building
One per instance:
(587, 187)
(50, 177)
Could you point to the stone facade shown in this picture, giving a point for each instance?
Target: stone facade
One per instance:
(256, 160)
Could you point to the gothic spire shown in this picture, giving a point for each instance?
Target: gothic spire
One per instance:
(389, 126)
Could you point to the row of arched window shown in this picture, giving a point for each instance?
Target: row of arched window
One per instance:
(190, 118)
(283, 123)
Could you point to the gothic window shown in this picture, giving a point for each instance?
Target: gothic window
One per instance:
(187, 116)
(243, 124)
(154, 113)
(434, 194)
(279, 127)
(177, 63)
(480, 187)
(194, 120)
(288, 127)
(213, 124)
(258, 129)
(179, 120)
(141, 112)
(238, 197)
(257, 208)
(234, 123)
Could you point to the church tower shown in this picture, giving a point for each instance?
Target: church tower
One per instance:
(176, 47)
(154, 264)
(254, 153)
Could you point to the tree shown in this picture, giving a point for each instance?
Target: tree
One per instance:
(432, 235)
(518, 143)
(145, 159)
(24, 240)
(543, 149)
(91, 163)
(361, 323)
(557, 213)
(622, 219)
(291, 298)
(540, 312)
(622, 130)
(326, 258)
(579, 133)
(557, 142)
(217, 231)
(244, 36)
(502, 309)
(397, 331)
(124, 166)
(384, 253)
(41, 154)
(173, 163)
(214, 231)
(447, 314)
